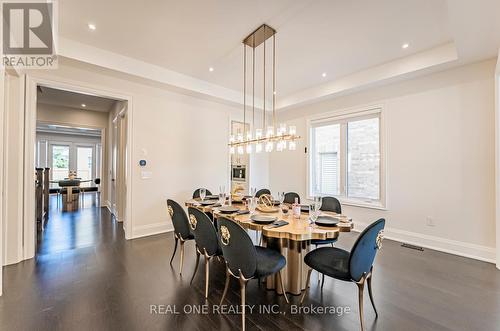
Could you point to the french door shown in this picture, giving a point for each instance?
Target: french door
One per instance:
(64, 157)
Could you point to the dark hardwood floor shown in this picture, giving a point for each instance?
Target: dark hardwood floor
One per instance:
(86, 276)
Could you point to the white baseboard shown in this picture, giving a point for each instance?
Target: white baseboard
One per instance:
(473, 251)
(151, 229)
(107, 204)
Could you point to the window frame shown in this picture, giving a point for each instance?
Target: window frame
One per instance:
(342, 117)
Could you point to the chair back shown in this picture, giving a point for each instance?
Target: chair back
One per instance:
(179, 219)
(290, 197)
(69, 182)
(365, 248)
(196, 193)
(331, 204)
(237, 248)
(204, 232)
(261, 192)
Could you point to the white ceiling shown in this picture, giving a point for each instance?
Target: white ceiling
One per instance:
(55, 97)
(338, 37)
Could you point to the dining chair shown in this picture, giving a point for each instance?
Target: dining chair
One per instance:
(327, 204)
(261, 192)
(94, 188)
(181, 228)
(196, 193)
(244, 261)
(290, 197)
(331, 204)
(207, 242)
(354, 266)
(57, 192)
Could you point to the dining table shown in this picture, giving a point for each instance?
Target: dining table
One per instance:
(292, 240)
(70, 203)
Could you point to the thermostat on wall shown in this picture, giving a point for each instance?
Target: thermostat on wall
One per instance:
(142, 163)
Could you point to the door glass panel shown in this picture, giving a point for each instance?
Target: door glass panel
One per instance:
(84, 161)
(60, 162)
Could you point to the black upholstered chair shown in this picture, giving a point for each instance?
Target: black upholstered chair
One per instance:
(244, 261)
(354, 266)
(207, 242)
(261, 192)
(196, 193)
(181, 228)
(290, 197)
(328, 204)
(331, 204)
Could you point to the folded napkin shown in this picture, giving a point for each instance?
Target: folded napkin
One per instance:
(243, 212)
(277, 224)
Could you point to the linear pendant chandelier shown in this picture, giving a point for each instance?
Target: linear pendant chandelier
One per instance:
(247, 140)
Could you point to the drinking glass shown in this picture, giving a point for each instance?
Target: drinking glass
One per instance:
(318, 201)
(203, 193)
(252, 204)
(313, 213)
(253, 191)
(222, 198)
(281, 198)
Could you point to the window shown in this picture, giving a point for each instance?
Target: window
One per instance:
(345, 158)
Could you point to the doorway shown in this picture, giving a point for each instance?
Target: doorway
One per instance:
(86, 160)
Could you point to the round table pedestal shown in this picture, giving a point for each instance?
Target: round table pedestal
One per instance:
(295, 271)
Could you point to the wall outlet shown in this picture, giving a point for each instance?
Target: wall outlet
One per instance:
(429, 221)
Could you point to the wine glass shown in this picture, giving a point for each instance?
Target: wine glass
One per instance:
(318, 201)
(313, 213)
(281, 198)
(253, 191)
(203, 193)
(252, 204)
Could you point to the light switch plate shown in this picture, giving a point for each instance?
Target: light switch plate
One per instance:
(146, 174)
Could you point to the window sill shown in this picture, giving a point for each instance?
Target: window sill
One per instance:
(356, 203)
(352, 203)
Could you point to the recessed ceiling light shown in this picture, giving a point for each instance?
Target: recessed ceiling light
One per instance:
(211, 69)
(84, 105)
(91, 26)
(405, 46)
(323, 74)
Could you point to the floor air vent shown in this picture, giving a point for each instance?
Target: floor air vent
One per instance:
(417, 248)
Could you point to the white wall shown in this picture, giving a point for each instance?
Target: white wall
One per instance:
(440, 158)
(13, 153)
(497, 156)
(72, 116)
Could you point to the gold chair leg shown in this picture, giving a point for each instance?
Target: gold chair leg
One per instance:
(207, 274)
(182, 257)
(195, 266)
(361, 286)
(307, 286)
(243, 284)
(283, 287)
(175, 249)
(226, 286)
(371, 294)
